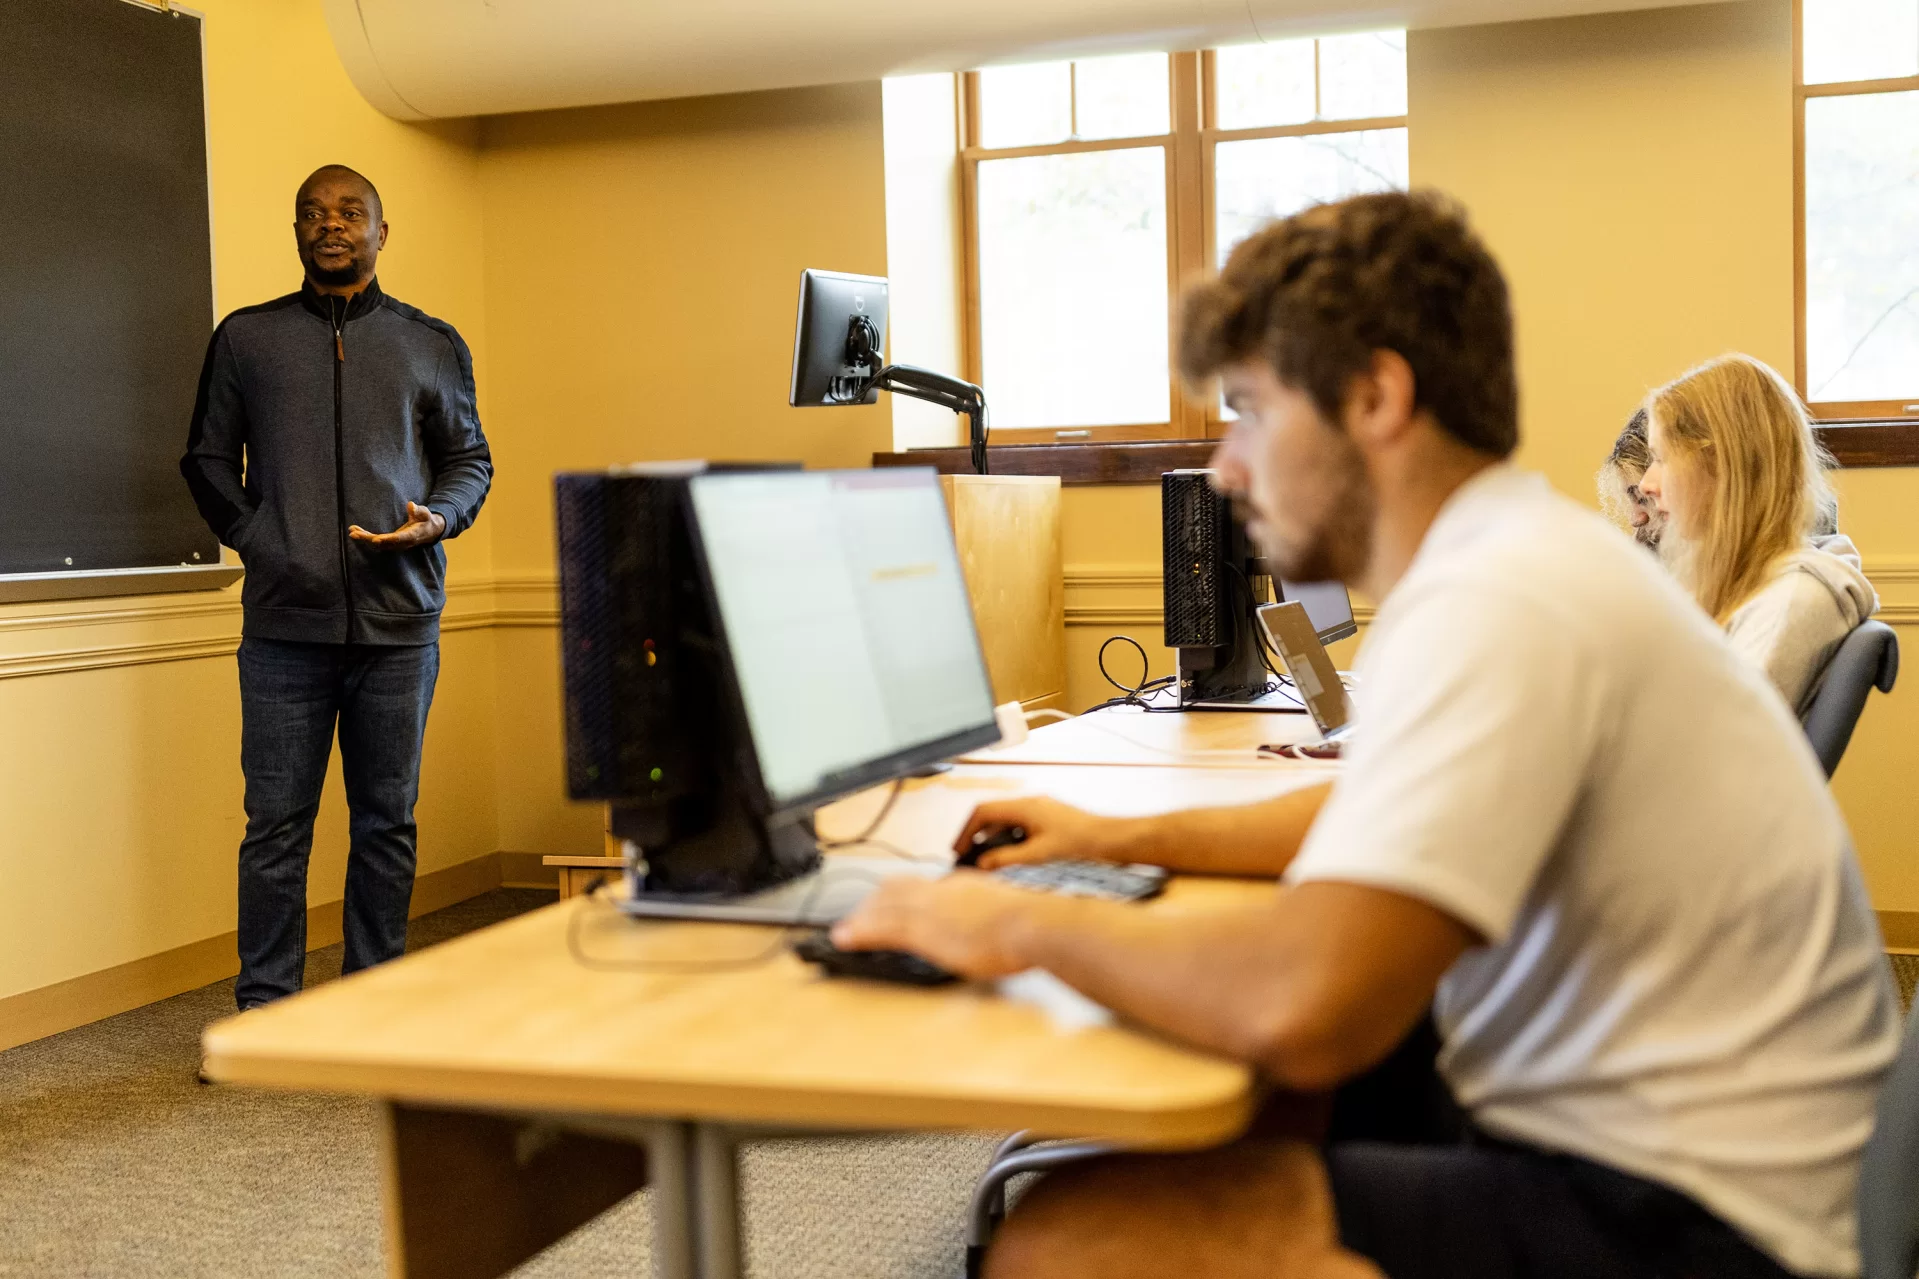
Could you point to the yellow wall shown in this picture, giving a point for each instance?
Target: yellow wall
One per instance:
(642, 271)
(119, 785)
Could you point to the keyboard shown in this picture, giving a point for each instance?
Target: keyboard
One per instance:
(1107, 881)
(1103, 880)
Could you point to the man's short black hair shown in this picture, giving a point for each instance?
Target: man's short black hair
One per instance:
(1314, 295)
(341, 170)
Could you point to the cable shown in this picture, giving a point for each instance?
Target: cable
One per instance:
(764, 955)
(1137, 694)
(1260, 646)
(1145, 664)
(893, 850)
(866, 836)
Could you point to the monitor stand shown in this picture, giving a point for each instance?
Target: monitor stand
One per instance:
(1278, 698)
(817, 898)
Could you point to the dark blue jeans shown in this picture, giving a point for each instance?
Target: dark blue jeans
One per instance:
(291, 696)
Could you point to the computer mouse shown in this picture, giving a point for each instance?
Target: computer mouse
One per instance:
(986, 841)
(875, 965)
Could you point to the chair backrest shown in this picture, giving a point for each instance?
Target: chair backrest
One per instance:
(1866, 659)
(1889, 1173)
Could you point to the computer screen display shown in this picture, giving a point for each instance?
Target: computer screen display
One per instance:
(847, 618)
(1327, 604)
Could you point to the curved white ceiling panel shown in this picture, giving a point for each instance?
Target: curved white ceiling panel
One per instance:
(422, 59)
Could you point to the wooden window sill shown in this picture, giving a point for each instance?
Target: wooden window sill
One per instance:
(1885, 442)
(1854, 444)
(1104, 462)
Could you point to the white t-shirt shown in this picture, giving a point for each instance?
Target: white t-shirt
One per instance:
(1682, 977)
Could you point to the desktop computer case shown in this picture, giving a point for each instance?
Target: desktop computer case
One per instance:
(649, 727)
(1207, 574)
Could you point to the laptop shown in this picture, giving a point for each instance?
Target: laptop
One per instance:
(1290, 630)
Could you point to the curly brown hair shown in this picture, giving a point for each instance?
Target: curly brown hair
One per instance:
(1317, 293)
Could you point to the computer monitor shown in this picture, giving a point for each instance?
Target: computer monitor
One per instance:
(845, 623)
(839, 340)
(838, 355)
(1327, 604)
(742, 646)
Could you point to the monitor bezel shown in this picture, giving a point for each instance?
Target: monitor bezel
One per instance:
(868, 773)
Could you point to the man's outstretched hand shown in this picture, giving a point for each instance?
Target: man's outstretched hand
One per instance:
(422, 528)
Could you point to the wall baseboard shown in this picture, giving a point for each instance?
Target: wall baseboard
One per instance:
(1900, 928)
(35, 1014)
(525, 870)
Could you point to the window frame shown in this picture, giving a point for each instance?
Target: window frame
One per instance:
(1190, 149)
(1902, 412)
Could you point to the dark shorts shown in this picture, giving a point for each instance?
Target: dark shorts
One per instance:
(1501, 1212)
(1424, 1197)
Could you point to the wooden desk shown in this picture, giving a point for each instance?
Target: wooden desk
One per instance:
(516, 1078)
(1122, 735)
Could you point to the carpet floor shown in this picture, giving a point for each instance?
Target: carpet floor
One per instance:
(114, 1162)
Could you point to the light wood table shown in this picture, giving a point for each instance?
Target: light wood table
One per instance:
(519, 1065)
(1124, 735)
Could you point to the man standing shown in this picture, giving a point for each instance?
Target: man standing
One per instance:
(321, 415)
(1570, 819)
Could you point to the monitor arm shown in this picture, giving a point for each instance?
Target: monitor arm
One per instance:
(862, 341)
(938, 388)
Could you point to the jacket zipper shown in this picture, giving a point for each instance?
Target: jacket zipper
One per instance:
(339, 458)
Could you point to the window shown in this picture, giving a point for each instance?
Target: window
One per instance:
(1858, 225)
(1092, 188)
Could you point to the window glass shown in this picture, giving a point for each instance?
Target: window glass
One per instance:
(1258, 86)
(1862, 247)
(1025, 106)
(1260, 179)
(1073, 301)
(1361, 76)
(1860, 39)
(1123, 97)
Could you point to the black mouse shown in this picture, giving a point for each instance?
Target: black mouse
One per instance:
(874, 965)
(986, 841)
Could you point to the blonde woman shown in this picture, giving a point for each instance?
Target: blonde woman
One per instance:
(1740, 484)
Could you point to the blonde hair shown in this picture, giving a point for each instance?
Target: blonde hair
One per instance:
(1741, 430)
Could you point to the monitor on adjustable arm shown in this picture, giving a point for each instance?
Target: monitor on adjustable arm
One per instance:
(839, 342)
(742, 646)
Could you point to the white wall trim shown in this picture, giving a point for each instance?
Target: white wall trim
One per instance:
(42, 640)
(50, 639)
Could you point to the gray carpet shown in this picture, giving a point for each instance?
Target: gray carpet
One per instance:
(114, 1162)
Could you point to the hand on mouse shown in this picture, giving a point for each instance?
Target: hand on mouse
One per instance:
(1054, 831)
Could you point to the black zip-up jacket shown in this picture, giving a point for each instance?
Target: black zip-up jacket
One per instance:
(316, 413)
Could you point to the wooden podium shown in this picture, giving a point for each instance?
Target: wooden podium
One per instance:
(1007, 528)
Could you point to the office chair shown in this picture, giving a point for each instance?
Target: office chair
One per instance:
(1019, 1153)
(1889, 1173)
(1866, 659)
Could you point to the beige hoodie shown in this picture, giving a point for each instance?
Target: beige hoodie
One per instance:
(1790, 628)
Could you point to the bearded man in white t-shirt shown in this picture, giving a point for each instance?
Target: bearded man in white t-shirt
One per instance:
(1570, 821)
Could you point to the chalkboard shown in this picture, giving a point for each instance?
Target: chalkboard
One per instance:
(106, 284)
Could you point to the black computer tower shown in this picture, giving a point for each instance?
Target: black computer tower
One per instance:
(1211, 584)
(649, 729)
